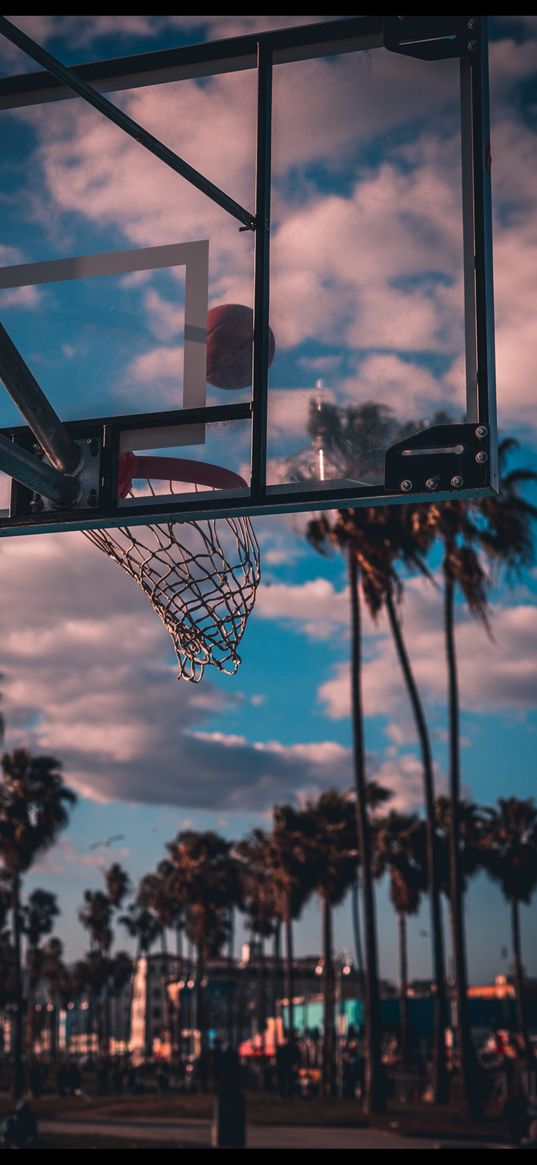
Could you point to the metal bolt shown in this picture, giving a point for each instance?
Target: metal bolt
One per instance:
(481, 431)
(472, 46)
(37, 504)
(93, 446)
(431, 483)
(473, 23)
(481, 457)
(457, 481)
(92, 497)
(406, 485)
(37, 450)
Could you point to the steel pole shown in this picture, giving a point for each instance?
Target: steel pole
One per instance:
(35, 408)
(37, 474)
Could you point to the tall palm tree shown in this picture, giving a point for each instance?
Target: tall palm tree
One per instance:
(507, 533)
(400, 850)
(509, 854)
(96, 917)
(258, 904)
(154, 893)
(461, 569)
(404, 533)
(208, 877)
(345, 534)
(354, 440)
(142, 925)
(34, 808)
(500, 526)
(39, 913)
(7, 953)
(330, 845)
(290, 886)
(56, 975)
(121, 975)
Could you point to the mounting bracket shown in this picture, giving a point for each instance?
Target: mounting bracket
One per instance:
(444, 458)
(431, 38)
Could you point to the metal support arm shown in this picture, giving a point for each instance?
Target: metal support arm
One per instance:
(76, 83)
(35, 408)
(37, 474)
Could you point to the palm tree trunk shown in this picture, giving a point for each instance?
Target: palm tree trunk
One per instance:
(440, 1078)
(328, 991)
(355, 911)
(231, 936)
(289, 975)
(276, 976)
(18, 1081)
(54, 1030)
(261, 1001)
(201, 1018)
(518, 968)
(470, 1095)
(374, 1091)
(148, 1008)
(403, 987)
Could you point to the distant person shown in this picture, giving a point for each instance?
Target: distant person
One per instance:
(287, 1064)
(20, 1128)
(62, 1080)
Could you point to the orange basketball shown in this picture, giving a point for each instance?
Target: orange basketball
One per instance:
(230, 335)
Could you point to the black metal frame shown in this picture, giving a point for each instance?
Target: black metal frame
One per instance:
(426, 37)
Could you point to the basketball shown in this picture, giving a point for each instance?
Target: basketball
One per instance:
(230, 335)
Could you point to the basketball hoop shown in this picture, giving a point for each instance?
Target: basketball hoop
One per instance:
(200, 577)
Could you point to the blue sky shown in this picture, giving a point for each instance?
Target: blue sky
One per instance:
(366, 294)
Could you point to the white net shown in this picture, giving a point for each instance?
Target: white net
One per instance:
(200, 577)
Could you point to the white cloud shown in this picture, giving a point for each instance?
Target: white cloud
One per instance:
(495, 675)
(88, 676)
(315, 607)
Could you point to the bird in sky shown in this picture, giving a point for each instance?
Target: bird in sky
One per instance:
(107, 841)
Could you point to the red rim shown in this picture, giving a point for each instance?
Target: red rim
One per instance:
(132, 466)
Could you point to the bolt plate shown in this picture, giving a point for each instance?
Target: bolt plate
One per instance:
(442, 452)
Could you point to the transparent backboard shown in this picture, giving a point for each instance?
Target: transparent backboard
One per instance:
(296, 336)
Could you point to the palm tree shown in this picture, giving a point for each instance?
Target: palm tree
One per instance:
(7, 953)
(290, 886)
(330, 847)
(461, 568)
(117, 883)
(404, 533)
(345, 534)
(259, 906)
(353, 441)
(400, 850)
(506, 537)
(156, 893)
(96, 917)
(34, 808)
(208, 877)
(142, 925)
(56, 976)
(509, 854)
(121, 975)
(38, 916)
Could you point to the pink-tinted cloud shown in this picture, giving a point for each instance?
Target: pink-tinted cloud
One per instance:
(498, 674)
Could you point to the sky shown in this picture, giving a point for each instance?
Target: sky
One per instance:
(366, 297)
